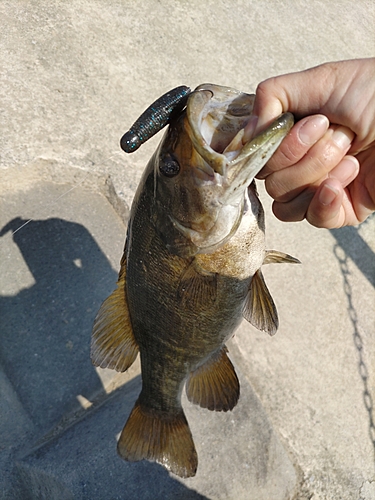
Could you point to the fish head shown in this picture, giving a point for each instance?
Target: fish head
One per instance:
(204, 166)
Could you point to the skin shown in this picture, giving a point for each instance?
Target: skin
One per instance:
(324, 170)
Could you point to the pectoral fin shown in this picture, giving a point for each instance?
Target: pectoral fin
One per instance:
(260, 309)
(214, 385)
(113, 344)
(197, 286)
(275, 257)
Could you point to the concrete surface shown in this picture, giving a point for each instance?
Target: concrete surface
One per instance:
(60, 417)
(74, 75)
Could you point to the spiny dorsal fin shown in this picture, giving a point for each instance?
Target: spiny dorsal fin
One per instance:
(275, 257)
(260, 309)
(214, 385)
(112, 343)
(197, 286)
(161, 437)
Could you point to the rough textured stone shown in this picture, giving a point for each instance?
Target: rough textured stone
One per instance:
(316, 377)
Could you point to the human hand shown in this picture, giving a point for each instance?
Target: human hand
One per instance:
(311, 175)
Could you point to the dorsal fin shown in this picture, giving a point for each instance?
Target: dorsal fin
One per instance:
(112, 343)
(259, 308)
(214, 385)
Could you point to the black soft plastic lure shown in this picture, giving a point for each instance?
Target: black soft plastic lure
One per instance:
(154, 118)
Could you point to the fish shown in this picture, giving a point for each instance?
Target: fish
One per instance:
(191, 270)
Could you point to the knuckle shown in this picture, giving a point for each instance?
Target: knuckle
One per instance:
(288, 212)
(274, 187)
(265, 87)
(320, 161)
(280, 188)
(322, 218)
(289, 153)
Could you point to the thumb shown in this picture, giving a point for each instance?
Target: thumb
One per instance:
(271, 101)
(293, 92)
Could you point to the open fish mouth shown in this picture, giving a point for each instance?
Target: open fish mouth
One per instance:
(220, 157)
(221, 127)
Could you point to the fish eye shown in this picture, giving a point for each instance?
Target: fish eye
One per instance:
(169, 167)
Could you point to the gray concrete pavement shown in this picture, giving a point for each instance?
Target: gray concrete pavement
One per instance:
(60, 417)
(74, 76)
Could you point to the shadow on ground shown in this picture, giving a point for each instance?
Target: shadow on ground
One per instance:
(44, 352)
(46, 328)
(350, 244)
(83, 463)
(357, 249)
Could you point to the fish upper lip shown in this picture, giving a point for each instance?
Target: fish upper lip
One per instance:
(197, 113)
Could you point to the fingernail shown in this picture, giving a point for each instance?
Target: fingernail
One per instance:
(250, 129)
(260, 124)
(343, 137)
(327, 194)
(346, 170)
(313, 129)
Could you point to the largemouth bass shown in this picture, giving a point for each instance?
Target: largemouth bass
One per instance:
(191, 268)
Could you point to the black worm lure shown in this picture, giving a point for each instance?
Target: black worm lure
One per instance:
(154, 118)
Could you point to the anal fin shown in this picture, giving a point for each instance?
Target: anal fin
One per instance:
(260, 309)
(214, 385)
(112, 343)
(161, 437)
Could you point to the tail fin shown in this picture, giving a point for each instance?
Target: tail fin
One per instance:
(160, 437)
